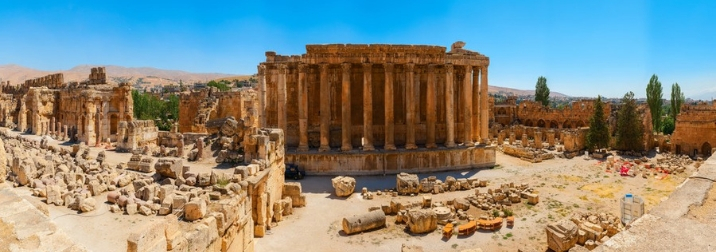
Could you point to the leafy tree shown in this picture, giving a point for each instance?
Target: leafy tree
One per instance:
(630, 130)
(542, 91)
(653, 98)
(221, 85)
(668, 125)
(149, 107)
(677, 98)
(598, 135)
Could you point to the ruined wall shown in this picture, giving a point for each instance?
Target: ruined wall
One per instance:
(695, 132)
(136, 134)
(198, 107)
(88, 112)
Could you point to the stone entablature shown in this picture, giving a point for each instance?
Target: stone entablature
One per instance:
(135, 134)
(534, 114)
(355, 97)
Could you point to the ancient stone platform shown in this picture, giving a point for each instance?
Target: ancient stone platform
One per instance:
(392, 162)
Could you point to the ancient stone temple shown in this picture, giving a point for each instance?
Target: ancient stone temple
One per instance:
(88, 111)
(364, 100)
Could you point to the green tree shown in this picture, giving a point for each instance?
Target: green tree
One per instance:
(677, 98)
(668, 125)
(163, 112)
(630, 130)
(542, 91)
(653, 98)
(598, 135)
(221, 85)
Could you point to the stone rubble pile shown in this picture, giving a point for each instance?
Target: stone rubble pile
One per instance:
(668, 164)
(584, 229)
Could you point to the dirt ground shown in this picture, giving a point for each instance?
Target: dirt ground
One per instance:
(564, 185)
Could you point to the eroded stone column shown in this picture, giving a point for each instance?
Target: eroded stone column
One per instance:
(467, 101)
(346, 108)
(367, 107)
(476, 123)
(484, 108)
(389, 107)
(302, 109)
(449, 106)
(325, 109)
(281, 106)
(410, 100)
(431, 104)
(262, 95)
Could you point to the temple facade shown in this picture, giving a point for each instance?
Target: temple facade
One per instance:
(88, 111)
(359, 99)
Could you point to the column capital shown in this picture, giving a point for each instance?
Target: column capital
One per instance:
(302, 67)
(282, 69)
(323, 66)
(389, 66)
(346, 67)
(261, 69)
(410, 67)
(367, 66)
(431, 67)
(449, 68)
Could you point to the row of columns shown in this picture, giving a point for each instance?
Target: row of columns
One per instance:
(474, 98)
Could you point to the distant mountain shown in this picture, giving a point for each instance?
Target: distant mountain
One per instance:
(520, 92)
(135, 75)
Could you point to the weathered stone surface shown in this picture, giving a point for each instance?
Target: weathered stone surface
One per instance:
(170, 168)
(87, 205)
(562, 235)
(407, 183)
(344, 186)
(194, 210)
(461, 203)
(422, 221)
(364, 222)
(148, 237)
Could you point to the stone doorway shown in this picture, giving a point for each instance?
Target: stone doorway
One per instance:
(706, 150)
(113, 123)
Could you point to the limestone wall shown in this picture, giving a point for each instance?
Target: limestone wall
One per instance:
(137, 134)
(417, 161)
(198, 107)
(695, 132)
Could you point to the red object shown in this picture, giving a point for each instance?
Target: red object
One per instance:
(624, 171)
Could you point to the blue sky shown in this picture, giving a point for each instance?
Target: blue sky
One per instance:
(584, 48)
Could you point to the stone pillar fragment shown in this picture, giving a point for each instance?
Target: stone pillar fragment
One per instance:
(325, 109)
(389, 108)
(346, 109)
(467, 101)
(281, 106)
(550, 138)
(262, 95)
(449, 106)
(525, 140)
(431, 105)
(538, 139)
(367, 107)
(302, 109)
(484, 107)
(410, 100)
(476, 123)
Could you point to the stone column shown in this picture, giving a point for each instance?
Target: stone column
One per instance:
(476, 123)
(484, 107)
(430, 111)
(389, 106)
(262, 95)
(467, 101)
(449, 103)
(550, 138)
(281, 106)
(325, 109)
(302, 109)
(346, 108)
(525, 141)
(410, 100)
(367, 107)
(52, 126)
